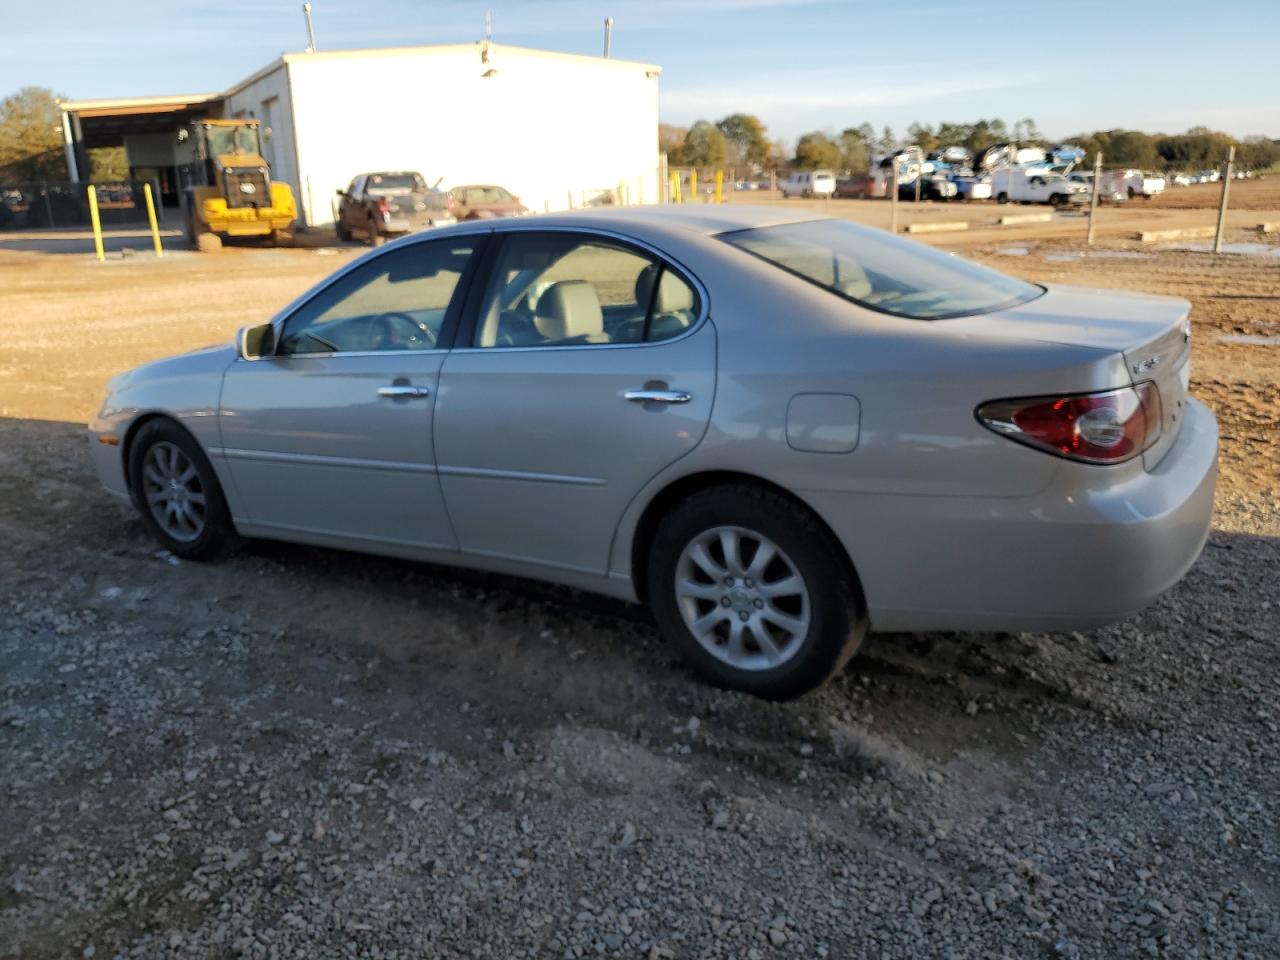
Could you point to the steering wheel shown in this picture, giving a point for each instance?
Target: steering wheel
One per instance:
(399, 331)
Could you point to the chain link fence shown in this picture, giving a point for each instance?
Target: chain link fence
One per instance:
(62, 204)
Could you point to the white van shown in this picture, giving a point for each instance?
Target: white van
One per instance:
(809, 183)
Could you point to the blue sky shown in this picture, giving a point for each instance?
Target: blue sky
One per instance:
(798, 64)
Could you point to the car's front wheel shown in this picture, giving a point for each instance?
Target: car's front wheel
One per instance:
(754, 592)
(176, 490)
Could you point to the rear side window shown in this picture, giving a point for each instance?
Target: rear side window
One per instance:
(558, 290)
(886, 273)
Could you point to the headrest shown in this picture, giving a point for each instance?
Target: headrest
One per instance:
(569, 309)
(673, 293)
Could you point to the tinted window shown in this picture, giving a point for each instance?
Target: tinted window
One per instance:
(395, 181)
(884, 272)
(395, 301)
(568, 290)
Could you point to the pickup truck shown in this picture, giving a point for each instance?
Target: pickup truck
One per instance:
(376, 206)
(1036, 185)
(1134, 183)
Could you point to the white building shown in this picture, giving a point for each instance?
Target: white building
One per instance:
(555, 129)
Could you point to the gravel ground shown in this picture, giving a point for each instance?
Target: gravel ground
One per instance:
(307, 753)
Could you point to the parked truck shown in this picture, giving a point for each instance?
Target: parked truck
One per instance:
(1134, 183)
(1036, 185)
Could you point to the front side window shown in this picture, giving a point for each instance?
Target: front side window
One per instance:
(569, 290)
(886, 273)
(395, 301)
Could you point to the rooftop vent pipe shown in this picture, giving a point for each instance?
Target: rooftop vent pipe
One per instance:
(311, 33)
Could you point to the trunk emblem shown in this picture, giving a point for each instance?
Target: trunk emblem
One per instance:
(1142, 366)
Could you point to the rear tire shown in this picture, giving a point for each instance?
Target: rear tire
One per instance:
(343, 235)
(791, 582)
(1002, 198)
(282, 238)
(178, 494)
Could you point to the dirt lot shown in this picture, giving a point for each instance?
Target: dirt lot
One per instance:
(306, 753)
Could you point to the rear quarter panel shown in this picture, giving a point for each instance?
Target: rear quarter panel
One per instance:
(917, 383)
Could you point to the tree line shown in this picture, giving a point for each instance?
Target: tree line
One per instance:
(31, 147)
(31, 144)
(741, 140)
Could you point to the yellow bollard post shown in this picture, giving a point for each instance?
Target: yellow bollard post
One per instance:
(674, 189)
(719, 186)
(693, 185)
(97, 224)
(151, 215)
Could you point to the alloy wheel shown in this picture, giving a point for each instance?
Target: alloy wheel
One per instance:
(173, 491)
(742, 598)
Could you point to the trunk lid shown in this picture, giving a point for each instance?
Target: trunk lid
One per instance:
(1152, 333)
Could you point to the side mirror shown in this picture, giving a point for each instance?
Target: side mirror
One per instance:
(254, 343)
(340, 192)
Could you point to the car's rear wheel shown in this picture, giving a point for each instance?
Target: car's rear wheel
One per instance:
(1002, 197)
(177, 492)
(754, 592)
(342, 233)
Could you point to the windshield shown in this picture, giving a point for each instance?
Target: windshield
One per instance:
(386, 182)
(886, 273)
(241, 138)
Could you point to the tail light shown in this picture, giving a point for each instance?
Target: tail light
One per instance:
(1109, 427)
(384, 207)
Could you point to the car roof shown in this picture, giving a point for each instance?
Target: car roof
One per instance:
(703, 218)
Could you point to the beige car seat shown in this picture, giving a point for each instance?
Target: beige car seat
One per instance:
(570, 310)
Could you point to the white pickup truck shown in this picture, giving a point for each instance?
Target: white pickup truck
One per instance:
(1036, 185)
(1134, 183)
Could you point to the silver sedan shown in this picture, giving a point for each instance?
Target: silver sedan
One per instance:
(777, 431)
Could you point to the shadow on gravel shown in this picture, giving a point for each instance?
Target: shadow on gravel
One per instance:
(539, 651)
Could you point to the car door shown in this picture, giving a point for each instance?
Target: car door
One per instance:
(332, 436)
(589, 366)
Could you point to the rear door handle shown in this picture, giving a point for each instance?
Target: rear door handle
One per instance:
(657, 396)
(398, 390)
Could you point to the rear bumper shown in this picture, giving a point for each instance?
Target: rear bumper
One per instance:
(1086, 551)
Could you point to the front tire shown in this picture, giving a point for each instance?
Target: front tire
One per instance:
(207, 242)
(177, 492)
(754, 592)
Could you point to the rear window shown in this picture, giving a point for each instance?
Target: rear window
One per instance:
(395, 181)
(886, 273)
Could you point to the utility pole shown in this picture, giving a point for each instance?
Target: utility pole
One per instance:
(1097, 191)
(893, 199)
(1222, 205)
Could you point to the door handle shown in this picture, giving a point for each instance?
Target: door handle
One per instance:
(657, 396)
(403, 390)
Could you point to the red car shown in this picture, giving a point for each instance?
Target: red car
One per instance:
(859, 186)
(477, 201)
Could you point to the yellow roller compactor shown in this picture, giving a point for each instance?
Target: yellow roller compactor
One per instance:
(230, 192)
